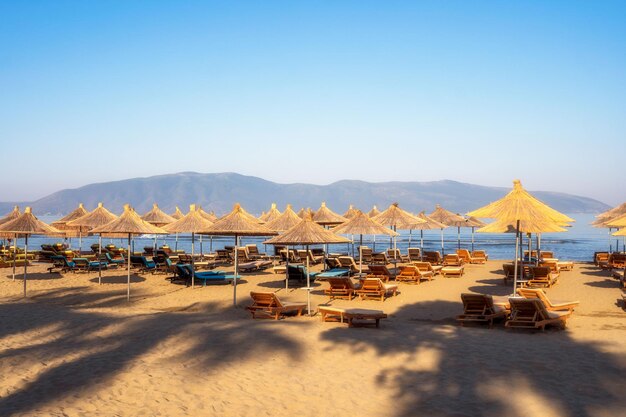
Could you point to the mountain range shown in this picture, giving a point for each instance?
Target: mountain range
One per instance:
(219, 191)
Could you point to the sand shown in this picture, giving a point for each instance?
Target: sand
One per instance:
(76, 348)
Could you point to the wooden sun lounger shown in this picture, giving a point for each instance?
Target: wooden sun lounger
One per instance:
(411, 274)
(428, 267)
(452, 271)
(542, 276)
(267, 304)
(376, 288)
(532, 314)
(480, 308)
(365, 317)
(340, 287)
(538, 293)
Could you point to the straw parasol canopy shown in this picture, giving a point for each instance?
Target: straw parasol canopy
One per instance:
(428, 224)
(307, 232)
(61, 224)
(238, 223)
(14, 214)
(193, 222)
(98, 217)
(326, 216)
(285, 221)
(362, 224)
(130, 224)
(446, 217)
(397, 218)
(373, 212)
(301, 213)
(518, 204)
(351, 212)
(177, 214)
(522, 209)
(272, 214)
(157, 217)
(525, 226)
(27, 224)
(603, 218)
(209, 216)
(619, 221)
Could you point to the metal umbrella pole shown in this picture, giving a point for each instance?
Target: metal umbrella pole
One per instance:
(516, 258)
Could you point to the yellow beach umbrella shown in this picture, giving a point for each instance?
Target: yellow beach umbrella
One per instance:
(27, 224)
(449, 219)
(272, 214)
(130, 224)
(238, 223)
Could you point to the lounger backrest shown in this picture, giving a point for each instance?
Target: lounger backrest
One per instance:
(409, 271)
(340, 283)
(464, 254)
(477, 303)
(414, 253)
(265, 299)
(372, 284)
(531, 309)
(423, 266)
(252, 249)
(547, 254)
(379, 270)
(540, 271)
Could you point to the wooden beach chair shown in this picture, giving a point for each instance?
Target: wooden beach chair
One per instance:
(414, 254)
(452, 259)
(466, 257)
(480, 255)
(376, 288)
(340, 287)
(542, 276)
(397, 255)
(267, 304)
(434, 257)
(452, 271)
(382, 272)
(366, 254)
(538, 293)
(532, 314)
(425, 267)
(411, 274)
(480, 308)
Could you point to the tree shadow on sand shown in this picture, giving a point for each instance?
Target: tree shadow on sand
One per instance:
(448, 370)
(76, 344)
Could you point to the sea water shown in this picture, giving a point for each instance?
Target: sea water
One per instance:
(578, 243)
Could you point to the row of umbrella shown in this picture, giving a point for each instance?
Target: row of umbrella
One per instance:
(518, 211)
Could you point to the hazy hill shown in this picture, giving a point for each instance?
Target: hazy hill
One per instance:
(218, 192)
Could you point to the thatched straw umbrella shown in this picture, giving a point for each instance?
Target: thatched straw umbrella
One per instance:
(361, 224)
(98, 217)
(272, 214)
(285, 221)
(373, 212)
(603, 219)
(327, 217)
(14, 214)
(302, 212)
(396, 218)
(473, 222)
(449, 219)
(429, 224)
(131, 224)
(307, 232)
(238, 223)
(351, 212)
(193, 222)
(210, 216)
(71, 232)
(177, 214)
(158, 218)
(27, 224)
(516, 207)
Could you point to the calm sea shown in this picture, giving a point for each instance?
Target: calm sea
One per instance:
(578, 243)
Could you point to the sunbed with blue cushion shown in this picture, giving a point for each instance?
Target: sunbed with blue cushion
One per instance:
(333, 273)
(217, 277)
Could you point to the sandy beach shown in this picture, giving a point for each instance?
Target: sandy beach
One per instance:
(76, 348)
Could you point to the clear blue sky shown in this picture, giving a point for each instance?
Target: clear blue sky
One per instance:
(474, 91)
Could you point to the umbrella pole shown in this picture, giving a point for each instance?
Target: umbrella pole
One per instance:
(14, 255)
(100, 259)
(176, 243)
(193, 270)
(287, 268)
(308, 284)
(211, 244)
(472, 238)
(516, 257)
(458, 237)
(128, 279)
(410, 236)
(374, 244)
(25, 261)
(421, 245)
(538, 237)
(201, 248)
(443, 251)
(80, 241)
(236, 271)
(360, 255)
